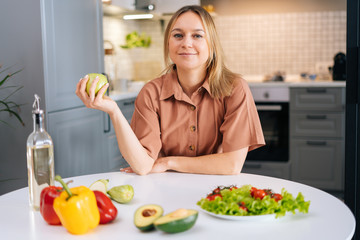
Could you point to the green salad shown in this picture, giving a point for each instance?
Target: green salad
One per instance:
(250, 201)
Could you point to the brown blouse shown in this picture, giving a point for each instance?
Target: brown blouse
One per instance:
(169, 123)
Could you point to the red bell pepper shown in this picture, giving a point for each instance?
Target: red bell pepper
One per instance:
(47, 197)
(106, 208)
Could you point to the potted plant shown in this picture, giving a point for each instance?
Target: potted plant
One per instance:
(6, 104)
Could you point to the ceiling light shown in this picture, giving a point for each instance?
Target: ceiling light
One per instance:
(138, 16)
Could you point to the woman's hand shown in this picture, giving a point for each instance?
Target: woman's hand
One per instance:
(159, 166)
(100, 101)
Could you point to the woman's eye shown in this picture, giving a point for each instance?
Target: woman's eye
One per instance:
(198, 36)
(177, 35)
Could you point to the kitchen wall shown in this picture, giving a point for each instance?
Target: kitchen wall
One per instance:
(254, 44)
(290, 42)
(136, 63)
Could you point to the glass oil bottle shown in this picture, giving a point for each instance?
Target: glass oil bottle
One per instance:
(40, 157)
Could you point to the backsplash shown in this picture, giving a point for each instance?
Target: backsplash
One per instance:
(253, 44)
(290, 42)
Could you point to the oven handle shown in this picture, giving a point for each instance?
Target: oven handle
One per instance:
(268, 107)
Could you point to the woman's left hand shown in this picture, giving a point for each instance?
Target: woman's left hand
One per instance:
(126, 170)
(159, 166)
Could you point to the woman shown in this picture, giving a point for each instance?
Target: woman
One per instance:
(198, 117)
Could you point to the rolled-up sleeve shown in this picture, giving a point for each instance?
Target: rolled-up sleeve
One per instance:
(145, 121)
(241, 126)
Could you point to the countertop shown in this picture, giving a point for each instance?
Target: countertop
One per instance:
(298, 84)
(328, 217)
(118, 95)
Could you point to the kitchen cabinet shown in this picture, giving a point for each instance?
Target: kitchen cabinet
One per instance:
(115, 160)
(79, 142)
(271, 169)
(317, 131)
(55, 43)
(85, 140)
(72, 47)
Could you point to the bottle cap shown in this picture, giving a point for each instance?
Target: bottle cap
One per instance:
(36, 105)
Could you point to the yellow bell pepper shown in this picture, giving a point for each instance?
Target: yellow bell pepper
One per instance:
(77, 208)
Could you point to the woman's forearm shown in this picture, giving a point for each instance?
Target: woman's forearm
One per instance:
(228, 163)
(130, 147)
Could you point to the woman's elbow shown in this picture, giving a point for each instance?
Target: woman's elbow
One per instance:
(237, 162)
(142, 171)
(235, 170)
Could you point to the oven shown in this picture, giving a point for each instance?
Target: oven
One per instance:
(272, 104)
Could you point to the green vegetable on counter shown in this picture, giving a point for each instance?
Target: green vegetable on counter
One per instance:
(250, 201)
(146, 215)
(177, 221)
(121, 194)
(100, 185)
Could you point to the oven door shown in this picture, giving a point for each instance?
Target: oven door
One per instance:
(274, 117)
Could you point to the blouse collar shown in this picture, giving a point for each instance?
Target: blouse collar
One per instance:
(172, 87)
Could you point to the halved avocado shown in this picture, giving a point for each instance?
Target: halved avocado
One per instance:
(177, 221)
(146, 215)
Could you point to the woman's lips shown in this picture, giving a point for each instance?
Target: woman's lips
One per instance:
(186, 54)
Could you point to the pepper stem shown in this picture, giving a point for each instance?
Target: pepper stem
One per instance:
(65, 186)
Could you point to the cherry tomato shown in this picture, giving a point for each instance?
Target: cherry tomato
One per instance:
(268, 192)
(212, 197)
(277, 196)
(242, 205)
(257, 193)
(216, 190)
(233, 188)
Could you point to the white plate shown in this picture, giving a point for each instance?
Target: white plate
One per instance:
(242, 218)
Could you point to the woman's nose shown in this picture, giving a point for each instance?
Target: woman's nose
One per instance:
(187, 41)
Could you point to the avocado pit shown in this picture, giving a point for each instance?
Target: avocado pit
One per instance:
(149, 212)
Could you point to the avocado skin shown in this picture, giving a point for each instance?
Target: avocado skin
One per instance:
(179, 225)
(146, 228)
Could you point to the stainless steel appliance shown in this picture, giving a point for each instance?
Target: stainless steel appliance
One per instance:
(272, 103)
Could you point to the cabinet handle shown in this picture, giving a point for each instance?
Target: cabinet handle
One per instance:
(268, 107)
(316, 90)
(316, 143)
(316, 117)
(107, 126)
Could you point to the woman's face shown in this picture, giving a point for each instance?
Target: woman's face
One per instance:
(188, 47)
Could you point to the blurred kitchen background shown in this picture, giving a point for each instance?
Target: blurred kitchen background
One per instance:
(272, 43)
(258, 37)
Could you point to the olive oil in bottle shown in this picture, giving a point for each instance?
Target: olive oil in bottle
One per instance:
(40, 157)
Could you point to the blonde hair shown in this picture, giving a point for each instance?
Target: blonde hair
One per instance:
(221, 79)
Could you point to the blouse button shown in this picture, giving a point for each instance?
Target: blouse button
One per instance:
(192, 147)
(192, 107)
(192, 128)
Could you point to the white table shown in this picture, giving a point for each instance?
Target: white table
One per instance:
(328, 217)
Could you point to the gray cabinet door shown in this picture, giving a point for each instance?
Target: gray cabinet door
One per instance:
(318, 163)
(317, 124)
(317, 98)
(72, 47)
(116, 160)
(79, 141)
(271, 169)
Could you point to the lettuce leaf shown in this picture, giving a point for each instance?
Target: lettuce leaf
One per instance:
(229, 203)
